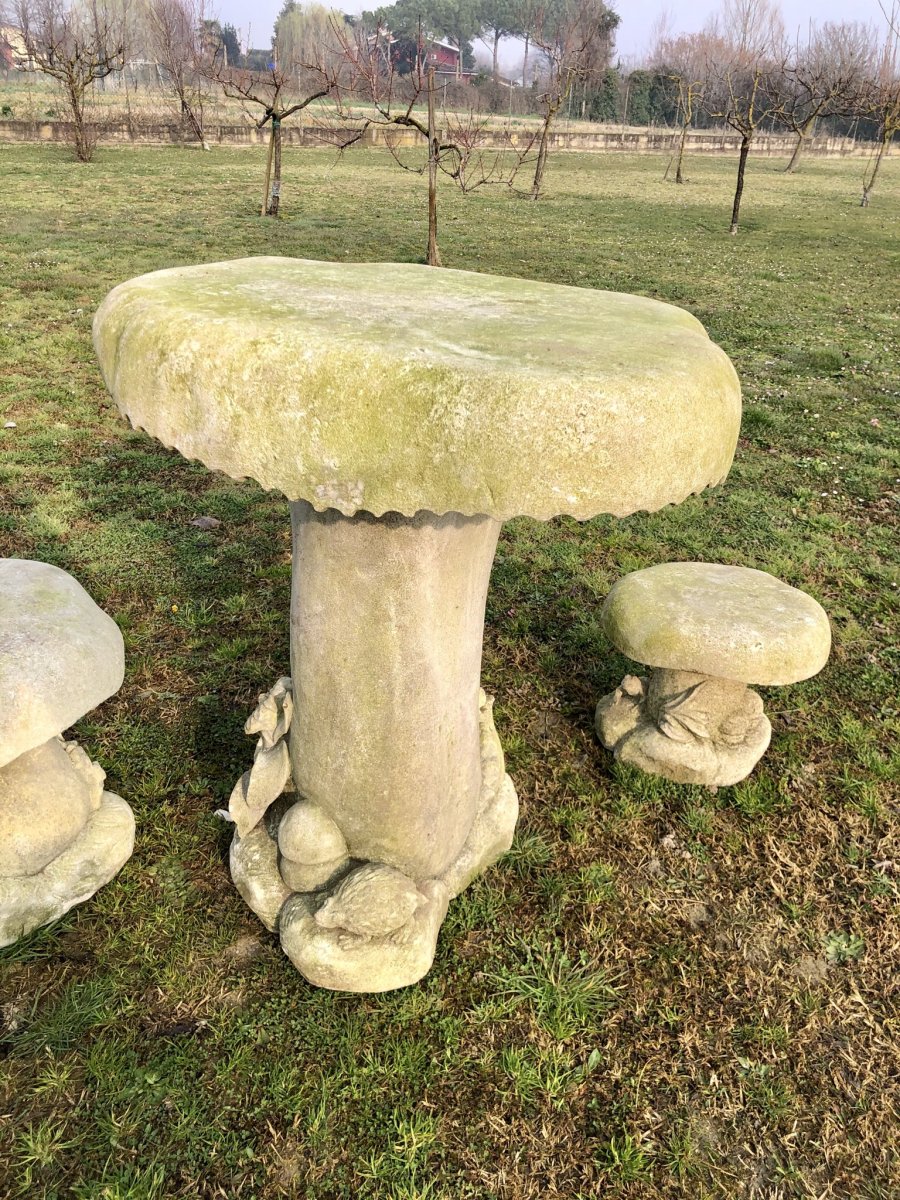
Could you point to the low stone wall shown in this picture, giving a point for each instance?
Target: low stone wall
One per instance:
(172, 134)
(662, 141)
(647, 141)
(640, 141)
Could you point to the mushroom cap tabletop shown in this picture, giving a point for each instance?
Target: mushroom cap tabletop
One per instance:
(730, 622)
(398, 387)
(60, 655)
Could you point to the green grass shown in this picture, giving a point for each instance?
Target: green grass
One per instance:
(613, 1011)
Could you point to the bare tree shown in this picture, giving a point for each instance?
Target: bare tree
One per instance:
(302, 34)
(575, 38)
(746, 71)
(824, 78)
(279, 92)
(883, 96)
(75, 46)
(454, 149)
(175, 31)
(684, 60)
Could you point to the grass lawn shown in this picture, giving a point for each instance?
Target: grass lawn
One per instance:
(662, 992)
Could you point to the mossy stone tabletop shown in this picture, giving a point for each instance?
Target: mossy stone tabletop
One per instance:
(395, 387)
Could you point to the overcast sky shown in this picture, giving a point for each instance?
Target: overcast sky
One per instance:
(637, 17)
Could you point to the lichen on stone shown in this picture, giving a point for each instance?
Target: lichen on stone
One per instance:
(391, 387)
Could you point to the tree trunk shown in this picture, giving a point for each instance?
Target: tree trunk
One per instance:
(275, 200)
(795, 157)
(194, 119)
(433, 257)
(872, 175)
(543, 150)
(265, 204)
(679, 174)
(525, 63)
(129, 119)
(80, 135)
(803, 133)
(739, 188)
(496, 70)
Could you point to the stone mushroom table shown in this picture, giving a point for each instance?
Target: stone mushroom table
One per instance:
(405, 413)
(61, 835)
(707, 630)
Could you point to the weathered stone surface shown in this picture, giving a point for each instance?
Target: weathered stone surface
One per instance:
(373, 900)
(405, 413)
(618, 713)
(333, 957)
(60, 655)
(490, 837)
(308, 835)
(391, 387)
(387, 617)
(367, 927)
(91, 773)
(686, 727)
(730, 622)
(310, 877)
(311, 847)
(492, 830)
(45, 803)
(271, 718)
(253, 861)
(260, 786)
(96, 855)
(61, 836)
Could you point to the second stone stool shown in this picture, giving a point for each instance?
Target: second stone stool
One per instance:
(707, 631)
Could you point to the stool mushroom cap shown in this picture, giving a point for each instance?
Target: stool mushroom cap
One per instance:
(729, 622)
(385, 387)
(60, 655)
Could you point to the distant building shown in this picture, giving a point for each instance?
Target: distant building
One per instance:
(13, 53)
(444, 57)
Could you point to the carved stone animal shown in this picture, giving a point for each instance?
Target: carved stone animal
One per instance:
(372, 901)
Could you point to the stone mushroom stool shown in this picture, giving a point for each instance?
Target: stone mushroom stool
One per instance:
(708, 631)
(405, 413)
(61, 835)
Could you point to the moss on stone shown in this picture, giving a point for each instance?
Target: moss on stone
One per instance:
(379, 387)
(60, 654)
(729, 622)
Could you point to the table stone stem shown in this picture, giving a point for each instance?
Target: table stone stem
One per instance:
(387, 620)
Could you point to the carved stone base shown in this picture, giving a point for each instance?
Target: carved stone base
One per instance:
(492, 830)
(253, 861)
(61, 835)
(368, 927)
(687, 727)
(99, 851)
(332, 957)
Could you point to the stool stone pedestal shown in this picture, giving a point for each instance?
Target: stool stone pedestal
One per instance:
(708, 630)
(62, 836)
